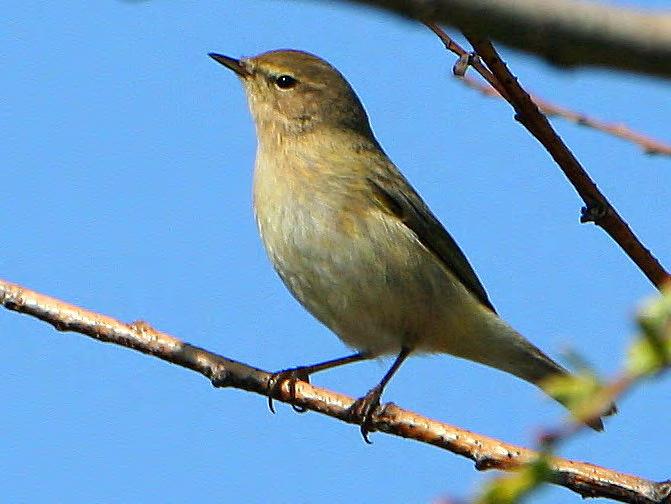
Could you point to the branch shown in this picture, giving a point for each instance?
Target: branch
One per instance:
(563, 32)
(649, 145)
(585, 479)
(597, 208)
(495, 89)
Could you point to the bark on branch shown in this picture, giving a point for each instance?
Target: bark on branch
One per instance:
(585, 479)
(563, 32)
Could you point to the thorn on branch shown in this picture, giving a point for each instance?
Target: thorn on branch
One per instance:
(593, 212)
(463, 62)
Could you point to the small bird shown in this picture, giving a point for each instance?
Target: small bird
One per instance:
(354, 242)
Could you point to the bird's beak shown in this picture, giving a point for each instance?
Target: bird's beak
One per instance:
(232, 64)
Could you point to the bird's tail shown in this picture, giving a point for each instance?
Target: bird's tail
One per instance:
(543, 370)
(511, 352)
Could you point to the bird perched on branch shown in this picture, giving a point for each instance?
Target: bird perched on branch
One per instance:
(354, 242)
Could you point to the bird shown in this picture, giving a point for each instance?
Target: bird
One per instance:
(355, 243)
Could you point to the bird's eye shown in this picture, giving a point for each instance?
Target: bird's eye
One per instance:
(285, 82)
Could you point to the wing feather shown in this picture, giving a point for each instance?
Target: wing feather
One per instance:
(409, 207)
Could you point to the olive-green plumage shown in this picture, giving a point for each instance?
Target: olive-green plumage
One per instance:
(350, 237)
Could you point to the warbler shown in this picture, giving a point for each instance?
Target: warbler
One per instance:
(354, 242)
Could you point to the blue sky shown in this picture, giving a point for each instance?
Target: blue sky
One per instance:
(127, 160)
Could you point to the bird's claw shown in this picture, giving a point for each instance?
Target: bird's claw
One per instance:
(363, 409)
(277, 379)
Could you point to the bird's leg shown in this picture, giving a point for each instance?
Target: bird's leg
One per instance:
(303, 373)
(363, 408)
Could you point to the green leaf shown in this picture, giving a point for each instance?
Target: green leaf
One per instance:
(651, 352)
(582, 393)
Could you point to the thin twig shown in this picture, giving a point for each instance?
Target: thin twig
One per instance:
(487, 453)
(649, 145)
(495, 89)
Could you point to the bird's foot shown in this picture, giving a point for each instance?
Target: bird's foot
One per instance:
(277, 380)
(363, 409)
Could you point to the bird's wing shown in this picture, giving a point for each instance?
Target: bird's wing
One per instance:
(404, 202)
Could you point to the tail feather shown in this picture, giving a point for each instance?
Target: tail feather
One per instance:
(516, 355)
(597, 423)
(541, 368)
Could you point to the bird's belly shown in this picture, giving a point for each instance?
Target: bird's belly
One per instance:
(369, 281)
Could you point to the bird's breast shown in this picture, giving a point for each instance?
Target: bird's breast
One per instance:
(357, 269)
